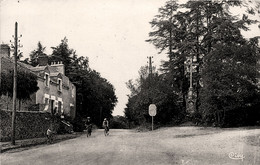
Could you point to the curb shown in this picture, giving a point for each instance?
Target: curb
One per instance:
(38, 141)
(22, 146)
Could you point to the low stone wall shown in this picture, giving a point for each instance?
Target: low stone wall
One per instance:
(28, 124)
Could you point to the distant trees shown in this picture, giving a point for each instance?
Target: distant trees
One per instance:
(152, 89)
(119, 122)
(224, 79)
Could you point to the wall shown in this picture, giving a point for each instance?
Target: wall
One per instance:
(72, 93)
(7, 103)
(28, 124)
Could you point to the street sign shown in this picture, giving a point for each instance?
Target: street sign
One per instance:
(152, 109)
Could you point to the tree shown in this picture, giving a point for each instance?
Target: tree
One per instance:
(63, 53)
(35, 54)
(148, 89)
(190, 32)
(26, 84)
(230, 83)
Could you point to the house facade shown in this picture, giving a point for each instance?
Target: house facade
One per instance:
(56, 94)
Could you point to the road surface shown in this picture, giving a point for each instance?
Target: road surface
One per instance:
(167, 146)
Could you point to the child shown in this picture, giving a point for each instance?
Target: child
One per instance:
(49, 135)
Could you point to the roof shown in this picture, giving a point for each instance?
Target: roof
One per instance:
(25, 65)
(41, 68)
(37, 69)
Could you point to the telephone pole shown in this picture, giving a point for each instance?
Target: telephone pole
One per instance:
(14, 85)
(150, 65)
(150, 68)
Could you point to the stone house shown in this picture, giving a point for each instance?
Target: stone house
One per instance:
(56, 94)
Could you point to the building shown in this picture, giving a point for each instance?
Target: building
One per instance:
(56, 94)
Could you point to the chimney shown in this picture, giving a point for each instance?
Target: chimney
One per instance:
(43, 60)
(59, 66)
(4, 50)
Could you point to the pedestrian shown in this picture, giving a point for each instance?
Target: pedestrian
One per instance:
(49, 134)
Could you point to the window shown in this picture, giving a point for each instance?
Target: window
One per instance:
(59, 84)
(46, 104)
(52, 107)
(47, 79)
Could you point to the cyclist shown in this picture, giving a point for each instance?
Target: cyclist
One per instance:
(106, 126)
(88, 125)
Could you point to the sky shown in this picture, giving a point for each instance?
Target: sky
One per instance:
(111, 33)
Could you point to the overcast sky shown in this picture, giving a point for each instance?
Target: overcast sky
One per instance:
(111, 33)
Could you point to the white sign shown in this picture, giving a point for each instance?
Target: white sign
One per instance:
(152, 109)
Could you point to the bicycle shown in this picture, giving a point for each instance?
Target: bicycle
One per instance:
(89, 130)
(106, 131)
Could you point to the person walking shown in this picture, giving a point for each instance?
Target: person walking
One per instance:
(50, 133)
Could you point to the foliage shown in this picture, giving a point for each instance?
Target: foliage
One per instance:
(206, 33)
(26, 84)
(153, 89)
(35, 54)
(63, 53)
(119, 122)
(229, 78)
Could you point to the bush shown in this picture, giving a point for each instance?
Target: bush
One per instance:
(118, 122)
(78, 124)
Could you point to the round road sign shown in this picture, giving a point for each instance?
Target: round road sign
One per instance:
(152, 109)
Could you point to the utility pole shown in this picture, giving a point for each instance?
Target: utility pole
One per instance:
(14, 85)
(191, 88)
(150, 65)
(150, 68)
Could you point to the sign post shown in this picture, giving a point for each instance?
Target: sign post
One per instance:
(152, 112)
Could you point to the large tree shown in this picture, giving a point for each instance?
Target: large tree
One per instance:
(63, 53)
(190, 32)
(230, 84)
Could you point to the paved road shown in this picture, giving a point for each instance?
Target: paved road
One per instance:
(178, 145)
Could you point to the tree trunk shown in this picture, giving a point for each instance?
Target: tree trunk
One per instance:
(218, 118)
(19, 107)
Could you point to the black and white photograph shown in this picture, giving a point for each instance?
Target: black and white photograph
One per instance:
(129, 82)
